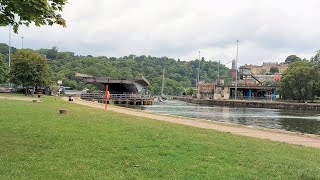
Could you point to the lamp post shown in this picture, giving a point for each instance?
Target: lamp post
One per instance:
(236, 83)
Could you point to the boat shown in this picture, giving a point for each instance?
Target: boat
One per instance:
(162, 97)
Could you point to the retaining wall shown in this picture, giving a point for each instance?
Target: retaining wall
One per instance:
(254, 104)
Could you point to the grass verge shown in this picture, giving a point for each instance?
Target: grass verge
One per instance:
(38, 143)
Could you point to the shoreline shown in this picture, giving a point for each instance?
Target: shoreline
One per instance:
(308, 140)
(253, 104)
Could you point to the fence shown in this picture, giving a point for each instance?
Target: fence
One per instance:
(113, 96)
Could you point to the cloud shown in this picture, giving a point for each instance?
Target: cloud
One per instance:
(268, 30)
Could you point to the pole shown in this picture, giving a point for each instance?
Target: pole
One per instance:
(199, 69)
(22, 42)
(107, 97)
(198, 77)
(219, 73)
(236, 84)
(162, 83)
(9, 46)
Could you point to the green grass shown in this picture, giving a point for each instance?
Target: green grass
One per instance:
(36, 142)
(13, 95)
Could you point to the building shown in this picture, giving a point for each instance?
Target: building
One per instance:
(265, 68)
(215, 91)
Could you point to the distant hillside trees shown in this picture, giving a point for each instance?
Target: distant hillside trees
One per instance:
(4, 50)
(49, 53)
(29, 69)
(178, 74)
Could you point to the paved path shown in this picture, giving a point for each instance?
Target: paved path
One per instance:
(273, 135)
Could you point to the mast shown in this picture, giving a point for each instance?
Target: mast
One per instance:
(162, 82)
(218, 73)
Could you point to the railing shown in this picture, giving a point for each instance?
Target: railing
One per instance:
(92, 96)
(113, 96)
(130, 96)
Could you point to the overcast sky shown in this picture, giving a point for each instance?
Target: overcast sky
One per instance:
(268, 30)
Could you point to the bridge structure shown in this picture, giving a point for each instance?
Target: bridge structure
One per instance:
(122, 91)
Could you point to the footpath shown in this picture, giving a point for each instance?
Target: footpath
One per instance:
(273, 135)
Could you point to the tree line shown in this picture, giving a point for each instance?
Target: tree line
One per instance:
(44, 67)
(179, 75)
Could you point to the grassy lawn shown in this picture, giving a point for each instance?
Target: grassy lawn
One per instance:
(38, 143)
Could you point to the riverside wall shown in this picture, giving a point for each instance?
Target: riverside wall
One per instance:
(253, 104)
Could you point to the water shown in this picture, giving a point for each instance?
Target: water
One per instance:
(296, 121)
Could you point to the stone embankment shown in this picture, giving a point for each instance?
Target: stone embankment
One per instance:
(254, 104)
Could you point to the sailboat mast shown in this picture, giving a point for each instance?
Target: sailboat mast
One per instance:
(162, 82)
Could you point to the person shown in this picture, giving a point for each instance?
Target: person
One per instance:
(70, 98)
(32, 92)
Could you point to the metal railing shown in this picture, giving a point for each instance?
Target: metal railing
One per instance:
(113, 96)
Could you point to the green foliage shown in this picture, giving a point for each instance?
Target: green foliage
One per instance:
(274, 70)
(292, 58)
(179, 74)
(39, 12)
(270, 83)
(49, 53)
(29, 69)
(316, 58)
(190, 91)
(4, 49)
(300, 81)
(4, 70)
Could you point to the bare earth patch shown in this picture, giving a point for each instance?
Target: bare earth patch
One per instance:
(19, 98)
(273, 135)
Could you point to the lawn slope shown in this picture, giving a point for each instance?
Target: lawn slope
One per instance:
(36, 142)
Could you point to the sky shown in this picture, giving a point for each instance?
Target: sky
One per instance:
(268, 30)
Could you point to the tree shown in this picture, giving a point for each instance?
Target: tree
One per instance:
(4, 49)
(274, 70)
(39, 12)
(29, 69)
(51, 54)
(316, 58)
(270, 83)
(291, 59)
(298, 82)
(190, 91)
(3, 70)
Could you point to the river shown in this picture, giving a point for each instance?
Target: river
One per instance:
(296, 121)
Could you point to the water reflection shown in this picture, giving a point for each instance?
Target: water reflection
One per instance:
(304, 122)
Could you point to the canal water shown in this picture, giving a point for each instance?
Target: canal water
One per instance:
(296, 121)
